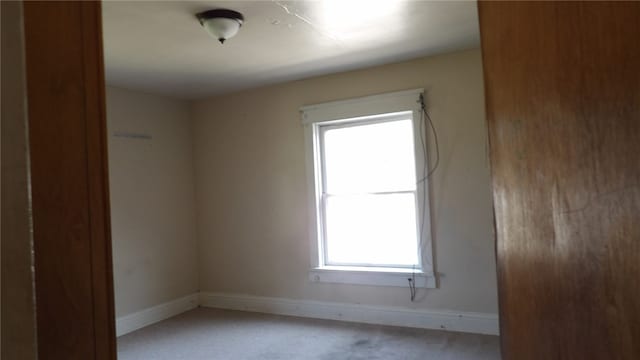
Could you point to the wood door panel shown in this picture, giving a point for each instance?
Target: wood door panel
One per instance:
(67, 135)
(563, 107)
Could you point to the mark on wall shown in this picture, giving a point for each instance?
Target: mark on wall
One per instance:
(131, 135)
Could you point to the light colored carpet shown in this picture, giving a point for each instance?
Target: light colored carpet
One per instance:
(234, 335)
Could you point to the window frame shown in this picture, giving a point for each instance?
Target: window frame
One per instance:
(365, 110)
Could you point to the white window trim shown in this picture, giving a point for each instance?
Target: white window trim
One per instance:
(347, 110)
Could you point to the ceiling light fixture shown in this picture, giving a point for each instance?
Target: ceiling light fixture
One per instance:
(222, 24)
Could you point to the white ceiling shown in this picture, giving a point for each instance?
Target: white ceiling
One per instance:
(159, 46)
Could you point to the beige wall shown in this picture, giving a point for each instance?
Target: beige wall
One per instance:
(152, 200)
(251, 186)
(18, 315)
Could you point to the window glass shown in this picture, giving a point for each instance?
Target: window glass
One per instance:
(368, 158)
(371, 230)
(369, 194)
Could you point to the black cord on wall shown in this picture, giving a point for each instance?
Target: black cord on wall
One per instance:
(426, 175)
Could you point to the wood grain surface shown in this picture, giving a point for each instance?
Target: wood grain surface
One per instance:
(563, 104)
(71, 227)
(18, 321)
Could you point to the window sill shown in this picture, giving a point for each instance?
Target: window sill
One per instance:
(371, 276)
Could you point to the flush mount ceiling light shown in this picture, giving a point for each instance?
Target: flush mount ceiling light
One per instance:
(222, 24)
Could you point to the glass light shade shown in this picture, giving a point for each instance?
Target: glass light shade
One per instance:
(221, 28)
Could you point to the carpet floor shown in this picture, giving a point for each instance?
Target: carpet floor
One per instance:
(213, 334)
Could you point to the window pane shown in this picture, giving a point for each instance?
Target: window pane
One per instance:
(370, 158)
(371, 230)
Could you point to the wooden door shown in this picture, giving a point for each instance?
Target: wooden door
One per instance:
(70, 202)
(563, 106)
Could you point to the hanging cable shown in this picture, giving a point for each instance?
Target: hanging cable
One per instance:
(426, 174)
(424, 114)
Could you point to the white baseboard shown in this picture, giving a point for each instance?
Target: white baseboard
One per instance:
(480, 323)
(137, 320)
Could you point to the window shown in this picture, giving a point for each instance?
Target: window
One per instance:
(369, 210)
